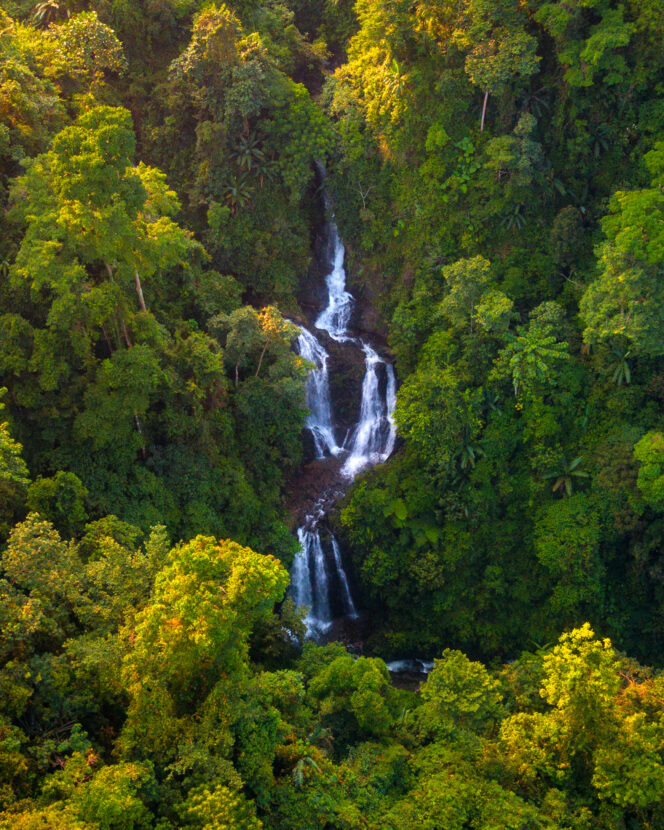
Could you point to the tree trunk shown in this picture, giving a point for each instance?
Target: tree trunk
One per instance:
(116, 330)
(126, 334)
(137, 421)
(139, 291)
(486, 100)
(260, 362)
(107, 338)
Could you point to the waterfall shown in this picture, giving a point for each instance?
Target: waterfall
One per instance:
(349, 605)
(334, 319)
(309, 581)
(317, 572)
(372, 440)
(319, 421)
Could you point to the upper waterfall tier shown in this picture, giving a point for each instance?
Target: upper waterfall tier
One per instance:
(335, 318)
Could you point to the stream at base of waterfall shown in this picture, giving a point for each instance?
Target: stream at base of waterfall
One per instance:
(318, 578)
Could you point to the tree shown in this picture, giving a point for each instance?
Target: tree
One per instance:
(466, 281)
(355, 697)
(190, 649)
(597, 54)
(13, 470)
(459, 695)
(84, 51)
(649, 452)
(97, 228)
(499, 50)
(627, 297)
(582, 724)
(567, 544)
(107, 797)
(470, 301)
(435, 414)
(48, 575)
(31, 110)
(533, 354)
(215, 807)
(61, 500)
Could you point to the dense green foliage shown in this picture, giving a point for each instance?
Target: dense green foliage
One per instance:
(130, 701)
(500, 168)
(497, 171)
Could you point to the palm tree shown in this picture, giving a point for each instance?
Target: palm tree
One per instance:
(468, 454)
(565, 474)
(552, 185)
(322, 736)
(491, 401)
(264, 170)
(599, 141)
(535, 102)
(580, 198)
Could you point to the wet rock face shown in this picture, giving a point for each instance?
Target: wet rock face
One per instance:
(312, 292)
(368, 321)
(320, 481)
(308, 448)
(347, 369)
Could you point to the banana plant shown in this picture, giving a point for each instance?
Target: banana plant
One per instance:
(237, 193)
(298, 772)
(48, 11)
(619, 366)
(515, 220)
(248, 153)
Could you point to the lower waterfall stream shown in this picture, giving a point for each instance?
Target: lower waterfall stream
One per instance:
(318, 578)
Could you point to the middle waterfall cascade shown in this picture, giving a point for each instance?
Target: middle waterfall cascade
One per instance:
(374, 436)
(318, 578)
(319, 421)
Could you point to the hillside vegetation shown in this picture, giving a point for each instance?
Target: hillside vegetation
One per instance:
(497, 174)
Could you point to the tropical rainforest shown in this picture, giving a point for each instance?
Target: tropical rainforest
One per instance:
(497, 174)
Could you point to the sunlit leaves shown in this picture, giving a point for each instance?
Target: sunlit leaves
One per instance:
(533, 356)
(12, 467)
(458, 694)
(194, 636)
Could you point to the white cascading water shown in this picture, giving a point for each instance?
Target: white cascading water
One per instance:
(371, 442)
(319, 421)
(373, 439)
(334, 319)
(310, 581)
(346, 596)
